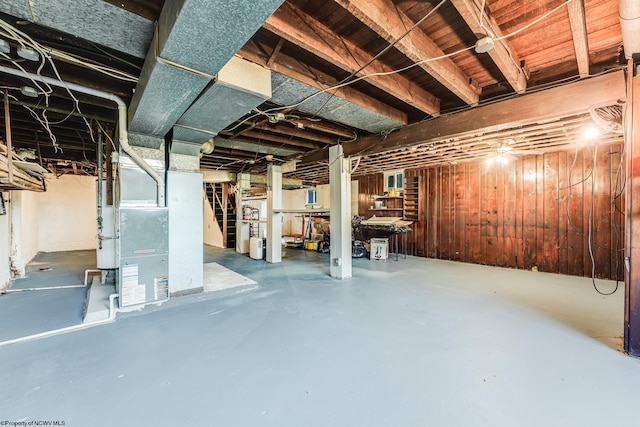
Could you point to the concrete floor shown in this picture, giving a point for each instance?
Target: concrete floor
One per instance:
(410, 343)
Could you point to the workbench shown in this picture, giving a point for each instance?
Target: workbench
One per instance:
(390, 226)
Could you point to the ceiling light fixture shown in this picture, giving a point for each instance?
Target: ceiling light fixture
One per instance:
(485, 44)
(277, 117)
(28, 53)
(29, 91)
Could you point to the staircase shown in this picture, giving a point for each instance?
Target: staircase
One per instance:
(223, 206)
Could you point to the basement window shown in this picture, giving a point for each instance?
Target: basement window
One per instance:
(394, 180)
(311, 196)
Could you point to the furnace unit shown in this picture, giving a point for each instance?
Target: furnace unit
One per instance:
(143, 230)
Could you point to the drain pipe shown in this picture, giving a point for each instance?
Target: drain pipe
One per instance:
(122, 121)
(630, 26)
(111, 318)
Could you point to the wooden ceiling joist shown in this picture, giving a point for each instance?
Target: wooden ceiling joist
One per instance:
(295, 26)
(579, 33)
(295, 133)
(502, 55)
(562, 101)
(266, 143)
(383, 17)
(287, 67)
(326, 128)
(290, 140)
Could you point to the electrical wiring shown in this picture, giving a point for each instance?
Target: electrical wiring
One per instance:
(415, 64)
(45, 55)
(124, 61)
(590, 225)
(344, 83)
(106, 134)
(44, 122)
(534, 22)
(379, 54)
(84, 153)
(45, 92)
(385, 73)
(573, 184)
(482, 14)
(589, 237)
(530, 90)
(46, 52)
(253, 116)
(571, 223)
(111, 72)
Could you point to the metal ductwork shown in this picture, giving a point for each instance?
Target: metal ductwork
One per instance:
(240, 87)
(630, 26)
(94, 20)
(287, 91)
(193, 40)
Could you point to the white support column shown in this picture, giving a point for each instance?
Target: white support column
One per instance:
(340, 195)
(242, 228)
(274, 219)
(15, 239)
(184, 200)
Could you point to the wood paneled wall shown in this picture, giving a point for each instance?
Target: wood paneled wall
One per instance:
(530, 212)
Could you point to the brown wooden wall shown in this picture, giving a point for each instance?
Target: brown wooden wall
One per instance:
(519, 214)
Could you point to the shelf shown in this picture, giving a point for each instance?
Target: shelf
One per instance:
(254, 221)
(387, 197)
(412, 198)
(386, 209)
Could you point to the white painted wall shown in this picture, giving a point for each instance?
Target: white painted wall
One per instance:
(5, 230)
(323, 196)
(66, 214)
(293, 199)
(63, 218)
(296, 199)
(29, 225)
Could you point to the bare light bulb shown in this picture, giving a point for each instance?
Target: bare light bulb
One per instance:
(591, 133)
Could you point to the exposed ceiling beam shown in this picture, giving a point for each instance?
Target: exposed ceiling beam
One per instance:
(300, 29)
(502, 54)
(275, 53)
(265, 135)
(63, 111)
(383, 17)
(326, 128)
(287, 66)
(298, 134)
(551, 104)
(579, 33)
(291, 145)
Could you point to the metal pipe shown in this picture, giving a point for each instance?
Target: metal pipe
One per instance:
(630, 26)
(122, 121)
(7, 131)
(48, 288)
(99, 159)
(111, 318)
(628, 152)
